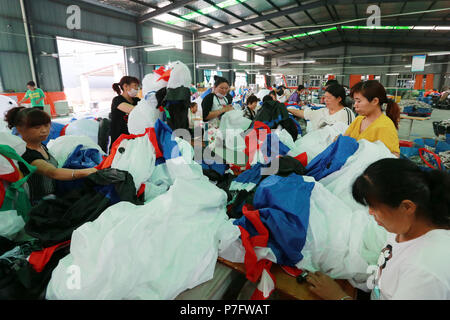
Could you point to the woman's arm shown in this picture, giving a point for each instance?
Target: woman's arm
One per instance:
(46, 169)
(125, 107)
(217, 113)
(296, 112)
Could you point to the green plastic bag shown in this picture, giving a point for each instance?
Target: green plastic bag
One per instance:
(15, 196)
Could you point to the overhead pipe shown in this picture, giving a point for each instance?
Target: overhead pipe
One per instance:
(27, 37)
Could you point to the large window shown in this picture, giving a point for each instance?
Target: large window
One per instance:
(166, 38)
(211, 48)
(239, 55)
(259, 59)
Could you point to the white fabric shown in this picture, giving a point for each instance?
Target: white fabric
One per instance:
(10, 223)
(180, 76)
(335, 240)
(83, 127)
(138, 159)
(5, 166)
(232, 126)
(144, 115)
(154, 251)
(317, 141)
(417, 269)
(340, 182)
(14, 142)
(6, 103)
(322, 117)
(63, 146)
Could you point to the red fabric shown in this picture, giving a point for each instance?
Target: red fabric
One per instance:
(106, 163)
(259, 295)
(237, 170)
(63, 130)
(39, 259)
(141, 190)
(303, 158)
(404, 143)
(292, 271)
(258, 135)
(13, 176)
(2, 193)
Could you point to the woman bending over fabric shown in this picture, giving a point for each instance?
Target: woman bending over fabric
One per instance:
(373, 124)
(215, 104)
(414, 207)
(335, 111)
(34, 127)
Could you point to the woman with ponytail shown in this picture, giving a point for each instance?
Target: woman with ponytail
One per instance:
(33, 125)
(121, 106)
(414, 207)
(373, 124)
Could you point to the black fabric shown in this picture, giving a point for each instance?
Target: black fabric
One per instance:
(104, 128)
(290, 127)
(18, 279)
(288, 165)
(119, 119)
(208, 101)
(177, 102)
(249, 113)
(271, 113)
(52, 221)
(39, 185)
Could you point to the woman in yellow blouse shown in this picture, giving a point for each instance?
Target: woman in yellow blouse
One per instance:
(372, 124)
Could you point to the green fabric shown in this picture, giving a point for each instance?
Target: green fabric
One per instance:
(15, 197)
(35, 95)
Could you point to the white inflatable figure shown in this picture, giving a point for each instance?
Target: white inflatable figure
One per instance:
(180, 75)
(6, 103)
(146, 112)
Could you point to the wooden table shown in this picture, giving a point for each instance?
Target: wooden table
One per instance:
(402, 116)
(288, 286)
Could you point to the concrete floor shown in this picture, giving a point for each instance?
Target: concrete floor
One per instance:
(422, 129)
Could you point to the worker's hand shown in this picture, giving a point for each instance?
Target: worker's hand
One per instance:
(325, 287)
(227, 108)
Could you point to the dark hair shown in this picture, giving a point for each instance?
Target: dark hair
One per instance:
(28, 117)
(390, 181)
(118, 87)
(371, 89)
(337, 91)
(252, 98)
(300, 87)
(193, 104)
(31, 83)
(218, 80)
(331, 82)
(268, 97)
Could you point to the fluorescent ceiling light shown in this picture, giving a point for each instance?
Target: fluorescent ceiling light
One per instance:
(440, 53)
(409, 66)
(158, 48)
(206, 65)
(241, 39)
(301, 61)
(423, 27)
(248, 63)
(442, 28)
(392, 74)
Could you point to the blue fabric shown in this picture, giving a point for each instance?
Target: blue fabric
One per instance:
(217, 167)
(206, 93)
(80, 159)
(267, 150)
(442, 146)
(332, 158)
(424, 142)
(166, 143)
(283, 204)
(109, 191)
(252, 175)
